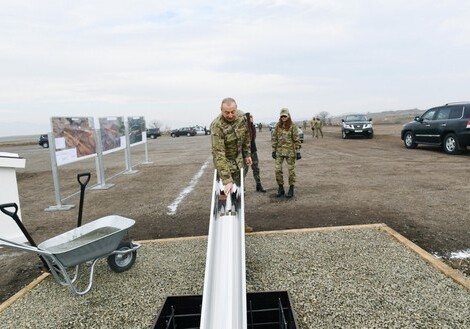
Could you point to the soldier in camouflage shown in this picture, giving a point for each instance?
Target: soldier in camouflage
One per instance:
(230, 144)
(286, 146)
(254, 154)
(312, 126)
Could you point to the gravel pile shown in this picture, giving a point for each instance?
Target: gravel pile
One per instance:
(336, 279)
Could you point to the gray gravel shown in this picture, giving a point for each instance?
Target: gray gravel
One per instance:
(336, 279)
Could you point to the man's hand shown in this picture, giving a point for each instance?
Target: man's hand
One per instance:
(228, 189)
(274, 155)
(248, 161)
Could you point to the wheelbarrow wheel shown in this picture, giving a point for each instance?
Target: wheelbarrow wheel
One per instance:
(122, 262)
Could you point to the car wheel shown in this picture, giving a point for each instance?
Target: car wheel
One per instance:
(153, 136)
(343, 134)
(173, 135)
(451, 144)
(371, 135)
(45, 145)
(188, 134)
(409, 140)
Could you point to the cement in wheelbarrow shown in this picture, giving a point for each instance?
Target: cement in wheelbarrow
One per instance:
(90, 241)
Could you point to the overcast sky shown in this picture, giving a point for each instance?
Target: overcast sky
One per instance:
(174, 61)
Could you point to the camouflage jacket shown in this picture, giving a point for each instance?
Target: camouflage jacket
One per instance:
(285, 142)
(318, 124)
(230, 143)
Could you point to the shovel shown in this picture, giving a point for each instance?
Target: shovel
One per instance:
(83, 180)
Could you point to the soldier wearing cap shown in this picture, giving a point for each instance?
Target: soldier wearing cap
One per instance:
(285, 146)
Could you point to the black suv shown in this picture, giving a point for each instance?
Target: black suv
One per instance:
(153, 133)
(44, 141)
(447, 126)
(356, 125)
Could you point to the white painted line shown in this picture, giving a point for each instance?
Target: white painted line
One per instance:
(174, 205)
(462, 254)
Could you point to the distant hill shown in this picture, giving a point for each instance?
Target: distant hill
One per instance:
(15, 129)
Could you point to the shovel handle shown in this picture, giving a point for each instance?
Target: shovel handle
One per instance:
(83, 183)
(87, 176)
(13, 215)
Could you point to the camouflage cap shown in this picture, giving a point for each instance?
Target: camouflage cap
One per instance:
(285, 111)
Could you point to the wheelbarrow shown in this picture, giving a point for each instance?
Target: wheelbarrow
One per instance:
(100, 238)
(65, 254)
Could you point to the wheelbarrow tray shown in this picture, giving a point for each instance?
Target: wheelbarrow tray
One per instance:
(90, 241)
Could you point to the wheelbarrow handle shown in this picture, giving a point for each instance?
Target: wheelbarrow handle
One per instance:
(9, 213)
(87, 176)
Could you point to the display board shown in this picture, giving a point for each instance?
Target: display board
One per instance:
(113, 134)
(136, 130)
(74, 138)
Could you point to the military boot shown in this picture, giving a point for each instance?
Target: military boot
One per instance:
(280, 191)
(290, 193)
(259, 187)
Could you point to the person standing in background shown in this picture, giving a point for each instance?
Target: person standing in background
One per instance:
(285, 146)
(312, 126)
(254, 154)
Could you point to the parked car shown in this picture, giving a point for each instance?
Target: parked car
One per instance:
(44, 141)
(356, 125)
(301, 134)
(186, 131)
(153, 133)
(202, 130)
(447, 126)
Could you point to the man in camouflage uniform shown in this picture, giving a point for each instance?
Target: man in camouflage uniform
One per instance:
(312, 126)
(286, 146)
(230, 145)
(254, 154)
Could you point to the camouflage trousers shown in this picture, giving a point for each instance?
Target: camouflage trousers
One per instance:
(254, 167)
(290, 167)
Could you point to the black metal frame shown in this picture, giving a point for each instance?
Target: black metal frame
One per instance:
(266, 310)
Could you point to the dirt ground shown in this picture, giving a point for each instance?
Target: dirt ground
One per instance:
(422, 193)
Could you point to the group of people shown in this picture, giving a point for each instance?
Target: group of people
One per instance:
(316, 125)
(234, 147)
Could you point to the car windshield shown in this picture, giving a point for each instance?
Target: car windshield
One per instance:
(356, 117)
